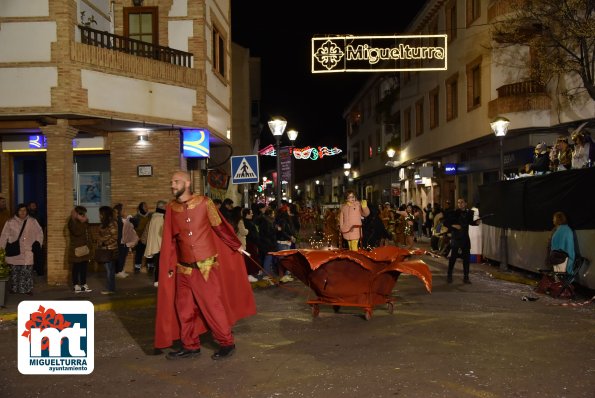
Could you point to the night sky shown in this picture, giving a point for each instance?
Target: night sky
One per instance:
(280, 33)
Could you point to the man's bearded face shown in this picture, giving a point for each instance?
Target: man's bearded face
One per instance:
(178, 191)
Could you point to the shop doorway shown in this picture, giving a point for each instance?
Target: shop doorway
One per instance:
(30, 182)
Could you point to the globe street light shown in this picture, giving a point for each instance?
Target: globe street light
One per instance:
(346, 169)
(500, 128)
(277, 125)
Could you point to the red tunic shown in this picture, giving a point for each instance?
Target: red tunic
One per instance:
(194, 231)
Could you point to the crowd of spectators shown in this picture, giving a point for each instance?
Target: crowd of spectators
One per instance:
(575, 151)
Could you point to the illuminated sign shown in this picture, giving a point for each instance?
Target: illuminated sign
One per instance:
(37, 142)
(450, 169)
(304, 153)
(195, 143)
(378, 53)
(315, 153)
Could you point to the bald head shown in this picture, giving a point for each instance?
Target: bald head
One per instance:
(180, 185)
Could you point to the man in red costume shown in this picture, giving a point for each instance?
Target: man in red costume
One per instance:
(202, 282)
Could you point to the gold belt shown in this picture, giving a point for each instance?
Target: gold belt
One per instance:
(204, 266)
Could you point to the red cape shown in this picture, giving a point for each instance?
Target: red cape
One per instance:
(238, 298)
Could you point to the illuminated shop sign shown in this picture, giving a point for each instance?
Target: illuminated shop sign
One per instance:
(378, 53)
(37, 142)
(450, 169)
(195, 143)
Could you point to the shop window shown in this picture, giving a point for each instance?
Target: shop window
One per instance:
(92, 183)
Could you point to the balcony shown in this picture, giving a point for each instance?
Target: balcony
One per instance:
(138, 48)
(520, 97)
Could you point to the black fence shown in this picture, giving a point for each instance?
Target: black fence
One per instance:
(130, 46)
(528, 204)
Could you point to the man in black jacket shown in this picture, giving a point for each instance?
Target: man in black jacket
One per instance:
(458, 222)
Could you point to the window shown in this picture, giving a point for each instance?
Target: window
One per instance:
(355, 159)
(378, 142)
(370, 147)
(473, 10)
(407, 124)
(474, 84)
(452, 97)
(451, 21)
(419, 117)
(140, 23)
(434, 100)
(218, 51)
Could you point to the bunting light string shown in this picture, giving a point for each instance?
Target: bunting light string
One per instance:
(308, 152)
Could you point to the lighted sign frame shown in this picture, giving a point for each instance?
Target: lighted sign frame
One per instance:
(379, 53)
(450, 169)
(195, 143)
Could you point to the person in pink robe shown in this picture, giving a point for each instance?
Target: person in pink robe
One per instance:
(350, 219)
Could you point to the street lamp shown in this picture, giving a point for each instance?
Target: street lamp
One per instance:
(292, 134)
(500, 128)
(391, 154)
(277, 125)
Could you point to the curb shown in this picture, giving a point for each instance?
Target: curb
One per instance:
(118, 304)
(513, 278)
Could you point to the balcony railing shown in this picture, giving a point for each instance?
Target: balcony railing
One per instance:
(139, 48)
(521, 88)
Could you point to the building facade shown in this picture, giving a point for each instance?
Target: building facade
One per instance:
(439, 121)
(96, 95)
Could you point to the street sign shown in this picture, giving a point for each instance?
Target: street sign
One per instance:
(244, 169)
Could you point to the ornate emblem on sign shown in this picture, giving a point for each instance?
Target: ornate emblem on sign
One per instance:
(329, 54)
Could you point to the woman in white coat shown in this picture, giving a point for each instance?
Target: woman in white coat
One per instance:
(21, 265)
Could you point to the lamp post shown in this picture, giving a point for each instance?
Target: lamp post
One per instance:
(391, 154)
(500, 128)
(292, 134)
(277, 125)
(346, 172)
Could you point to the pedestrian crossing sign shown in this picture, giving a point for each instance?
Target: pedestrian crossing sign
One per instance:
(244, 169)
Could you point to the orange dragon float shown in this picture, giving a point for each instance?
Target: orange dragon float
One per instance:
(353, 279)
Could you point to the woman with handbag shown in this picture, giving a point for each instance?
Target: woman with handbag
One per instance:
(106, 252)
(19, 256)
(562, 241)
(78, 249)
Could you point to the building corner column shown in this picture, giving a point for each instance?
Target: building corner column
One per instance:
(60, 196)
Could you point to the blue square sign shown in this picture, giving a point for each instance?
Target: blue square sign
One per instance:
(244, 169)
